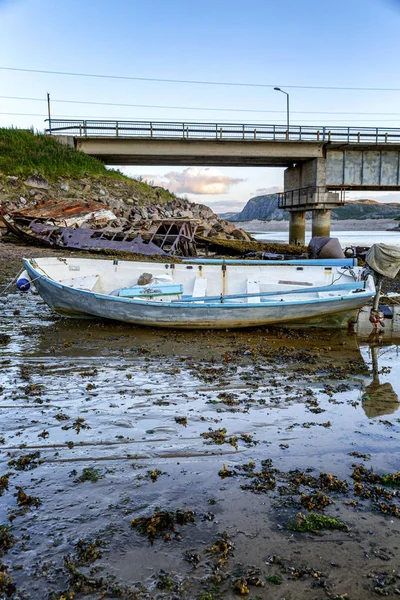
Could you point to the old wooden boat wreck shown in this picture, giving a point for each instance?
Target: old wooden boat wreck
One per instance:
(88, 226)
(201, 294)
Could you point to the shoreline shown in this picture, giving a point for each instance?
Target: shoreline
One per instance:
(258, 226)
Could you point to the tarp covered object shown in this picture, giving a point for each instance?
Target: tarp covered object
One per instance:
(325, 247)
(384, 259)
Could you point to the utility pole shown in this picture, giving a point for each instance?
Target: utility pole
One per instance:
(48, 111)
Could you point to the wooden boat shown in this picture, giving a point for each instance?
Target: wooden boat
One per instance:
(201, 294)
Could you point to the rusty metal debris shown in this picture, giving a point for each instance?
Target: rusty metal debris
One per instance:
(89, 226)
(68, 213)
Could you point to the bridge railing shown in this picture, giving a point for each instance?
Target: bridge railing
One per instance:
(309, 197)
(221, 131)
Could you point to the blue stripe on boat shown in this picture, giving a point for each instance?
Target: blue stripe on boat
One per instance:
(151, 290)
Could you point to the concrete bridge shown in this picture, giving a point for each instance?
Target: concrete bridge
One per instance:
(321, 162)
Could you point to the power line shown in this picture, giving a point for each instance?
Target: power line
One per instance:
(200, 82)
(126, 119)
(252, 110)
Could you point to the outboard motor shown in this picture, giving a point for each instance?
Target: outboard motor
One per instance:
(384, 261)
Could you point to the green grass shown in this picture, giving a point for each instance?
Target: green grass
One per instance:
(23, 152)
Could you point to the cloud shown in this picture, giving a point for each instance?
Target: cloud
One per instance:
(270, 190)
(223, 206)
(195, 180)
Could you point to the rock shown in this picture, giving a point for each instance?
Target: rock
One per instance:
(64, 187)
(22, 200)
(129, 201)
(13, 182)
(239, 234)
(185, 214)
(217, 227)
(229, 228)
(144, 278)
(38, 182)
(32, 192)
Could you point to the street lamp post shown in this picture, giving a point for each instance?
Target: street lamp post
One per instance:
(287, 106)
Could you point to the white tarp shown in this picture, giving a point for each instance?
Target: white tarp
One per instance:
(384, 259)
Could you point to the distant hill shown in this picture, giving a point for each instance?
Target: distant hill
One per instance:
(265, 208)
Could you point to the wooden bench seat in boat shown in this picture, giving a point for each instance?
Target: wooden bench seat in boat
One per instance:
(199, 288)
(253, 287)
(86, 283)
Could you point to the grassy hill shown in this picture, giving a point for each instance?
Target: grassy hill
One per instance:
(23, 153)
(61, 173)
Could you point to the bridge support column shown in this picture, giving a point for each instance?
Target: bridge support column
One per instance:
(321, 223)
(297, 227)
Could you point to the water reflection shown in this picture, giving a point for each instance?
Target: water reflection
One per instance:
(380, 398)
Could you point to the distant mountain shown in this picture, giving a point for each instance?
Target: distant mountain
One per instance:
(265, 208)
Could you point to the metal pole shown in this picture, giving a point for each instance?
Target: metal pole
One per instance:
(48, 111)
(287, 107)
(287, 110)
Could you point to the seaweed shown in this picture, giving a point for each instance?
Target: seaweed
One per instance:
(7, 586)
(7, 540)
(218, 436)
(314, 522)
(360, 473)
(25, 500)
(391, 480)
(26, 462)
(162, 523)
(88, 552)
(315, 501)
(154, 474)
(4, 482)
(78, 424)
(224, 472)
(89, 474)
(222, 548)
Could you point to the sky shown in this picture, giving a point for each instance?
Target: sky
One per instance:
(299, 46)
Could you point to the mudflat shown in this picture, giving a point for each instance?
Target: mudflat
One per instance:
(147, 464)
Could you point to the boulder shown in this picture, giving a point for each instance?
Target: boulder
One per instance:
(38, 182)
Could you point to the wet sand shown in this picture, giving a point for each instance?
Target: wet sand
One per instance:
(235, 427)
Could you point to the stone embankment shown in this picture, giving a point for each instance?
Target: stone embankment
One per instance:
(135, 204)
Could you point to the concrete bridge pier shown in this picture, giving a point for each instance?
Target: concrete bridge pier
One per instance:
(321, 223)
(297, 227)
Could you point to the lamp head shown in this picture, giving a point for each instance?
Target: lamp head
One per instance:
(278, 89)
